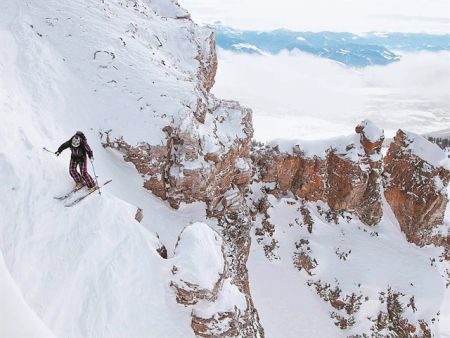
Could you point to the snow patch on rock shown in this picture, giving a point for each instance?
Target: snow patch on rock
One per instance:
(371, 131)
(426, 150)
(198, 257)
(228, 300)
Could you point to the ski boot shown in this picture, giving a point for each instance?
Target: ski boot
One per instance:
(92, 189)
(78, 186)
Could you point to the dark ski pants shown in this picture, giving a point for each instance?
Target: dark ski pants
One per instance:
(77, 177)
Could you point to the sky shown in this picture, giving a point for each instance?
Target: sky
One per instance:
(301, 96)
(430, 16)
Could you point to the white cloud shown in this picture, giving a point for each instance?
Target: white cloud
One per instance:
(304, 96)
(345, 15)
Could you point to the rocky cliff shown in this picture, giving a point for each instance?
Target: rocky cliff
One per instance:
(415, 177)
(206, 154)
(345, 173)
(319, 208)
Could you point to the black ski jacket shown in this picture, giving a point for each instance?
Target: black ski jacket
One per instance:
(78, 153)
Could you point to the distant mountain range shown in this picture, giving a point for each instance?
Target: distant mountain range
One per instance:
(372, 48)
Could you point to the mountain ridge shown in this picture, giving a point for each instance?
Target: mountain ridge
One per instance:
(356, 50)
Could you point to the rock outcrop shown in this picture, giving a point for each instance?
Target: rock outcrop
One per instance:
(416, 174)
(199, 161)
(212, 280)
(198, 265)
(203, 155)
(202, 161)
(393, 319)
(345, 172)
(235, 225)
(207, 144)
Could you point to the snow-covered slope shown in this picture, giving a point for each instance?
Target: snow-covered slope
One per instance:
(332, 275)
(349, 259)
(16, 318)
(91, 270)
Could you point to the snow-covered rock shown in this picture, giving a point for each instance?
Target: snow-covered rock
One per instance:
(354, 280)
(308, 237)
(198, 264)
(344, 172)
(416, 175)
(221, 318)
(203, 279)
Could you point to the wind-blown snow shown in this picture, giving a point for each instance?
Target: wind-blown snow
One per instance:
(348, 147)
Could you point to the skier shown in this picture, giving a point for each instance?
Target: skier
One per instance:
(79, 147)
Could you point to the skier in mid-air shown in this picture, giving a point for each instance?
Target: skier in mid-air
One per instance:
(80, 148)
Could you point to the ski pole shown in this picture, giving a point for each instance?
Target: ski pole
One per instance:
(48, 150)
(95, 175)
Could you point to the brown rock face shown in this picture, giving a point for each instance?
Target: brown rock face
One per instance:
(215, 170)
(303, 176)
(150, 161)
(369, 208)
(208, 63)
(415, 190)
(184, 169)
(342, 182)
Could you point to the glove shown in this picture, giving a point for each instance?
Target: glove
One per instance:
(57, 153)
(91, 158)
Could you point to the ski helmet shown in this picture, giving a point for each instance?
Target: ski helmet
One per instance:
(81, 134)
(76, 140)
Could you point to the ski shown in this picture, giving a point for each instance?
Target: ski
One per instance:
(79, 199)
(70, 193)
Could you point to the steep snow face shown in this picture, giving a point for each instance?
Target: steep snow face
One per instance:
(330, 279)
(120, 61)
(16, 318)
(92, 270)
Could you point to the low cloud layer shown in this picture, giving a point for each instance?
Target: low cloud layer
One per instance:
(297, 95)
(319, 15)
